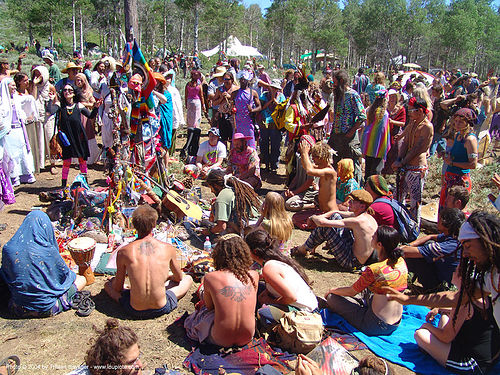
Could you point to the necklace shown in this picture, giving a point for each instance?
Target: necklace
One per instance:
(70, 109)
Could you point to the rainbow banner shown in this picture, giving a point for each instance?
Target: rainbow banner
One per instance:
(149, 82)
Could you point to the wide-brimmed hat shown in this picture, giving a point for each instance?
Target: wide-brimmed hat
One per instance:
(237, 136)
(245, 74)
(276, 83)
(71, 65)
(214, 131)
(219, 72)
(48, 56)
(159, 78)
(260, 66)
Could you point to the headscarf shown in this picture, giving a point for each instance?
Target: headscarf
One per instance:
(468, 114)
(32, 266)
(87, 91)
(413, 102)
(379, 185)
(467, 232)
(345, 169)
(6, 102)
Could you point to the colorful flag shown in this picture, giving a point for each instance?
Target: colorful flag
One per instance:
(149, 82)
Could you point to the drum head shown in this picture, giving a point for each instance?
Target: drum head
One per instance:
(81, 244)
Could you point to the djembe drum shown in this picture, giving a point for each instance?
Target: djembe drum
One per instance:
(82, 250)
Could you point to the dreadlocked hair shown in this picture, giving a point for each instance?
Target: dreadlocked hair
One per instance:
(231, 253)
(265, 247)
(245, 198)
(487, 227)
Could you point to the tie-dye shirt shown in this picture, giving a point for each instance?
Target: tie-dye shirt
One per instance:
(375, 141)
(379, 275)
(347, 112)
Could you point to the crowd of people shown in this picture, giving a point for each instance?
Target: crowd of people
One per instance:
(333, 131)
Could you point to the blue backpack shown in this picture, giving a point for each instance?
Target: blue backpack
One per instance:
(408, 228)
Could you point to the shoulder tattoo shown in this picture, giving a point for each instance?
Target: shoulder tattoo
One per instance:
(146, 248)
(236, 293)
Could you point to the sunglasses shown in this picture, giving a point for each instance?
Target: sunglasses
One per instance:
(68, 90)
(227, 79)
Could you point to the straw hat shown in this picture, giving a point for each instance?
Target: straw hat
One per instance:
(219, 72)
(276, 83)
(48, 56)
(71, 65)
(159, 78)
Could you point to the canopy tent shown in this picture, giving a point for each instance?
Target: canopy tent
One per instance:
(233, 48)
(412, 66)
(406, 76)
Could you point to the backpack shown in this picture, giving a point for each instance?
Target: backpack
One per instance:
(408, 228)
(279, 112)
(299, 331)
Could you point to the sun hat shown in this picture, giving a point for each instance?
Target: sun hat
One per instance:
(260, 66)
(276, 83)
(392, 92)
(219, 72)
(245, 74)
(214, 131)
(237, 136)
(159, 77)
(48, 56)
(71, 65)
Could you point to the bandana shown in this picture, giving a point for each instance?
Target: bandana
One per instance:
(413, 103)
(382, 93)
(379, 185)
(467, 232)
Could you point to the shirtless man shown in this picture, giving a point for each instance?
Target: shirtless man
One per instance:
(321, 154)
(147, 262)
(231, 293)
(412, 157)
(348, 234)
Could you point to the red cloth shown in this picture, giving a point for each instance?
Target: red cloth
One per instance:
(299, 219)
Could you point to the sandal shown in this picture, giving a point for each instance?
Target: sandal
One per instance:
(11, 363)
(78, 298)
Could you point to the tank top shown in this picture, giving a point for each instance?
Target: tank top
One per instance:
(459, 154)
(193, 92)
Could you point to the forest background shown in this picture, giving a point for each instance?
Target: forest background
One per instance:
(432, 33)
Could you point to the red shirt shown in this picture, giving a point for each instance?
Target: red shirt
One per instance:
(383, 214)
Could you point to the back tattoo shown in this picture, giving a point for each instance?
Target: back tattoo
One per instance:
(236, 293)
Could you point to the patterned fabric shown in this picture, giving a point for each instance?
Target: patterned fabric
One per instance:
(375, 141)
(379, 275)
(346, 188)
(243, 119)
(347, 112)
(412, 182)
(339, 241)
(241, 162)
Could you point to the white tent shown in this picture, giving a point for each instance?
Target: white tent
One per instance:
(234, 48)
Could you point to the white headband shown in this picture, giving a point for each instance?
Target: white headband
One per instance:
(467, 232)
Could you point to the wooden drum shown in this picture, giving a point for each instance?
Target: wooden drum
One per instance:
(82, 250)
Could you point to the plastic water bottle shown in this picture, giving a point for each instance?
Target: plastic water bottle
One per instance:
(207, 246)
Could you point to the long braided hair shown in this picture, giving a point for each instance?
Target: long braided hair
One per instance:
(487, 227)
(245, 196)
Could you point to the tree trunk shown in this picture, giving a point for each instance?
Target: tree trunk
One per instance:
(313, 58)
(81, 31)
(131, 23)
(282, 44)
(196, 27)
(164, 28)
(181, 35)
(73, 24)
(51, 31)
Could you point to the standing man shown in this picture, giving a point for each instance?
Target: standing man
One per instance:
(147, 262)
(348, 116)
(216, 82)
(411, 163)
(361, 81)
(71, 70)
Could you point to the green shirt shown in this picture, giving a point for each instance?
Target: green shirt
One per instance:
(224, 207)
(55, 73)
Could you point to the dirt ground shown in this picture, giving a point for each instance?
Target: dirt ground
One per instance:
(58, 344)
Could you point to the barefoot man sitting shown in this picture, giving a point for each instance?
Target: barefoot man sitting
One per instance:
(147, 262)
(348, 235)
(229, 295)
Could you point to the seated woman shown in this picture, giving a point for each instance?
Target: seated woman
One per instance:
(275, 220)
(40, 283)
(469, 342)
(115, 351)
(287, 286)
(374, 314)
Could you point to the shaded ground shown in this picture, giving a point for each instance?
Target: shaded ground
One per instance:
(57, 345)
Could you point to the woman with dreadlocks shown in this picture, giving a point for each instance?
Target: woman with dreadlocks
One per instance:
(472, 345)
(236, 203)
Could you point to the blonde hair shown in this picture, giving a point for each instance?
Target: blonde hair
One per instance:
(280, 224)
(322, 151)
(86, 89)
(379, 78)
(345, 169)
(421, 92)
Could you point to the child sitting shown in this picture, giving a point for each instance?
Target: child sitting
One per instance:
(275, 220)
(374, 314)
(434, 258)
(346, 183)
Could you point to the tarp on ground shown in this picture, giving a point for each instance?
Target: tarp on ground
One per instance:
(233, 48)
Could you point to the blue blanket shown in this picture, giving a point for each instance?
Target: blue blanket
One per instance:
(399, 347)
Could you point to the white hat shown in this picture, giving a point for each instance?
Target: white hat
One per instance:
(276, 83)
